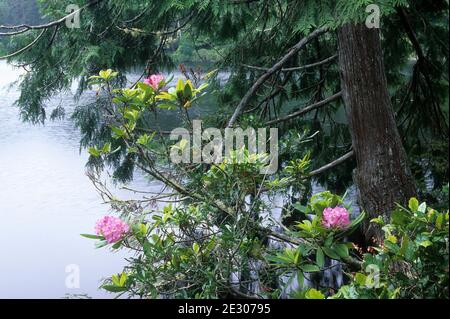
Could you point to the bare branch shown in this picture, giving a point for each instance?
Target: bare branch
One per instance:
(6, 34)
(298, 68)
(312, 65)
(306, 109)
(24, 48)
(246, 99)
(334, 163)
(166, 32)
(26, 27)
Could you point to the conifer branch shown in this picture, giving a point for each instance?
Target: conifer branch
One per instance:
(25, 27)
(24, 48)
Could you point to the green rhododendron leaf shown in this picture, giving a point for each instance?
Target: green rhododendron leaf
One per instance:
(342, 250)
(413, 204)
(309, 268)
(314, 294)
(425, 243)
(360, 279)
(330, 253)
(112, 288)
(196, 248)
(92, 236)
(320, 258)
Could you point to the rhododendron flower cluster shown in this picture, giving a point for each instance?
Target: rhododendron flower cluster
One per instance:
(337, 217)
(154, 80)
(112, 228)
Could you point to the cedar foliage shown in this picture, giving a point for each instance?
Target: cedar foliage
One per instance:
(123, 35)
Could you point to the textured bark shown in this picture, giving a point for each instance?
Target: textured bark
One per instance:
(383, 176)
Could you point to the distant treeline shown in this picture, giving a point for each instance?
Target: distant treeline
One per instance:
(13, 12)
(17, 12)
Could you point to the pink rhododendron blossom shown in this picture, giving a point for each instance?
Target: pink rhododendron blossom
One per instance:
(112, 228)
(337, 217)
(154, 80)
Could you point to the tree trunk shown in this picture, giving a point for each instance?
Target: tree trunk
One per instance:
(383, 176)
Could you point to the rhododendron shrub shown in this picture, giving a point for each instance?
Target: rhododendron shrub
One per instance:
(154, 81)
(411, 262)
(219, 229)
(112, 228)
(337, 217)
(192, 241)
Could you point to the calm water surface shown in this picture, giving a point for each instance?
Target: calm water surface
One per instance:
(46, 201)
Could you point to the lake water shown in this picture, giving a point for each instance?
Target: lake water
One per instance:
(46, 201)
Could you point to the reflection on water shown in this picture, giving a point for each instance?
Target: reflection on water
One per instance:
(46, 201)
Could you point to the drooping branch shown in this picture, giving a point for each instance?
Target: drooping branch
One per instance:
(52, 39)
(298, 68)
(166, 32)
(138, 17)
(306, 109)
(280, 88)
(294, 50)
(423, 66)
(24, 48)
(410, 32)
(21, 28)
(5, 34)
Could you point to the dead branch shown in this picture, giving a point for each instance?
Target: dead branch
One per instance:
(297, 68)
(306, 109)
(294, 50)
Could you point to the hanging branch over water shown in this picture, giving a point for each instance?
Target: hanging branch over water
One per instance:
(26, 27)
(44, 27)
(24, 48)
